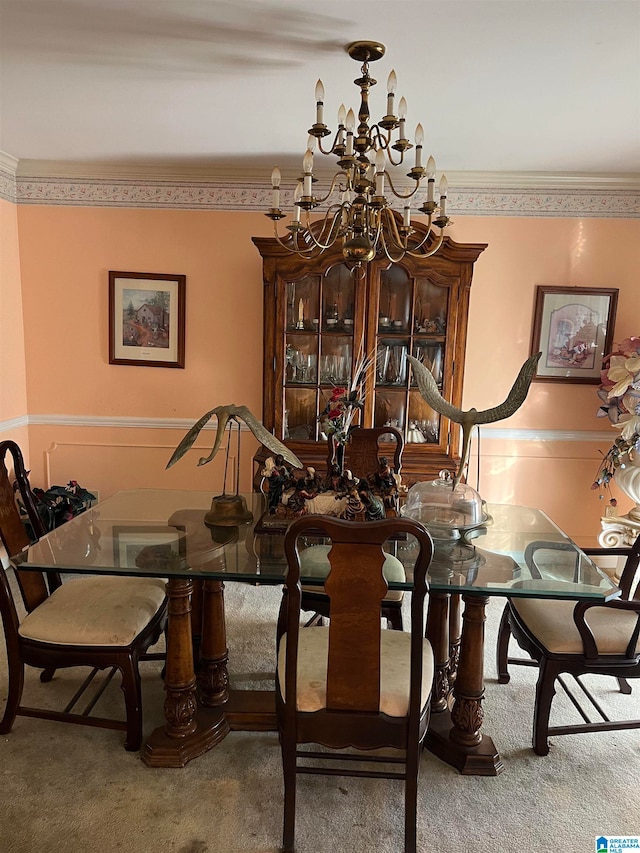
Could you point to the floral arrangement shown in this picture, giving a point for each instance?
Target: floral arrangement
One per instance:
(337, 416)
(619, 394)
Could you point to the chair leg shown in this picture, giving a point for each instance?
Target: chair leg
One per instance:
(47, 674)
(394, 617)
(545, 691)
(132, 688)
(289, 773)
(411, 799)
(624, 686)
(16, 685)
(502, 649)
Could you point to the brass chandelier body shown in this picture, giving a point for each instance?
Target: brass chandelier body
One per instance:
(362, 217)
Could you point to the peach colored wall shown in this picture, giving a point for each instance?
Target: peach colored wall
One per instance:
(13, 386)
(66, 252)
(523, 253)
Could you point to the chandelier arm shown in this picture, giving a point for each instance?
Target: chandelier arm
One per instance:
(419, 245)
(393, 260)
(393, 229)
(414, 254)
(342, 187)
(433, 249)
(401, 195)
(390, 156)
(294, 251)
(333, 144)
(331, 239)
(378, 136)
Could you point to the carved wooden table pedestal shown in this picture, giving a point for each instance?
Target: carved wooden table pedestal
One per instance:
(456, 708)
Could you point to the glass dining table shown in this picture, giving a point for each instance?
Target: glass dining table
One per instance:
(162, 533)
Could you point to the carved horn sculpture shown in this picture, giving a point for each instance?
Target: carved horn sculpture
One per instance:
(467, 420)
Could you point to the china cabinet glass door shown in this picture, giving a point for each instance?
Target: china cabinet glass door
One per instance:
(319, 348)
(411, 319)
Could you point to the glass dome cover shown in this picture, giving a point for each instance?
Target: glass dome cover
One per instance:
(447, 510)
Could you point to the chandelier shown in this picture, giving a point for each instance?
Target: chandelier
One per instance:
(358, 201)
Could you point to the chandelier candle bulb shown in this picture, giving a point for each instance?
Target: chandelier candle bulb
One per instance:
(431, 178)
(319, 102)
(444, 186)
(275, 183)
(407, 215)
(380, 172)
(392, 82)
(419, 141)
(402, 115)
(350, 125)
(296, 201)
(342, 114)
(307, 166)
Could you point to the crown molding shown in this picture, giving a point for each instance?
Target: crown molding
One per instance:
(8, 169)
(181, 173)
(197, 188)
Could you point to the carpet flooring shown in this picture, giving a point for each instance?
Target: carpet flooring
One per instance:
(70, 789)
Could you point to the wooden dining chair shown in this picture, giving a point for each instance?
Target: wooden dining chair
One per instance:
(99, 622)
(353, 684)
(565, 637)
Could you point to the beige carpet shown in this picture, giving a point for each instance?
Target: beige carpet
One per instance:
(69, 789)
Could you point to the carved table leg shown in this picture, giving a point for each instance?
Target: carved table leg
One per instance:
(454, 637)
(456, 737)
(213, 678)
(438, 636)
(185, 735)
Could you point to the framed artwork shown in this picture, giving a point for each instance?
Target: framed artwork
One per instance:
(146, 319)
(147, 547)
(573, 328)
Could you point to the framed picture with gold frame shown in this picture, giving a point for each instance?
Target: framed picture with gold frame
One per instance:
(573, 328)
(146, 319)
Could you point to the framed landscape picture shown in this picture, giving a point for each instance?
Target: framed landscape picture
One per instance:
(573, 328)
(146, 319)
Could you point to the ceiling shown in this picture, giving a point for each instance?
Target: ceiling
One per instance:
(500, 86)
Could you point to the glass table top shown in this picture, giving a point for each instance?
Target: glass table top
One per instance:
(161, 532)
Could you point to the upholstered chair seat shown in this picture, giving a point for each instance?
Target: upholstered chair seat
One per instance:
(96, 611)
(551, 622)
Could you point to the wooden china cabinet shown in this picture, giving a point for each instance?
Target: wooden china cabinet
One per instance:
(318, 319)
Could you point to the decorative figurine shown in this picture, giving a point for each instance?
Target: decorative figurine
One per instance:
(297, 502)
(278, 478)
(312, 481)
(373, 505)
